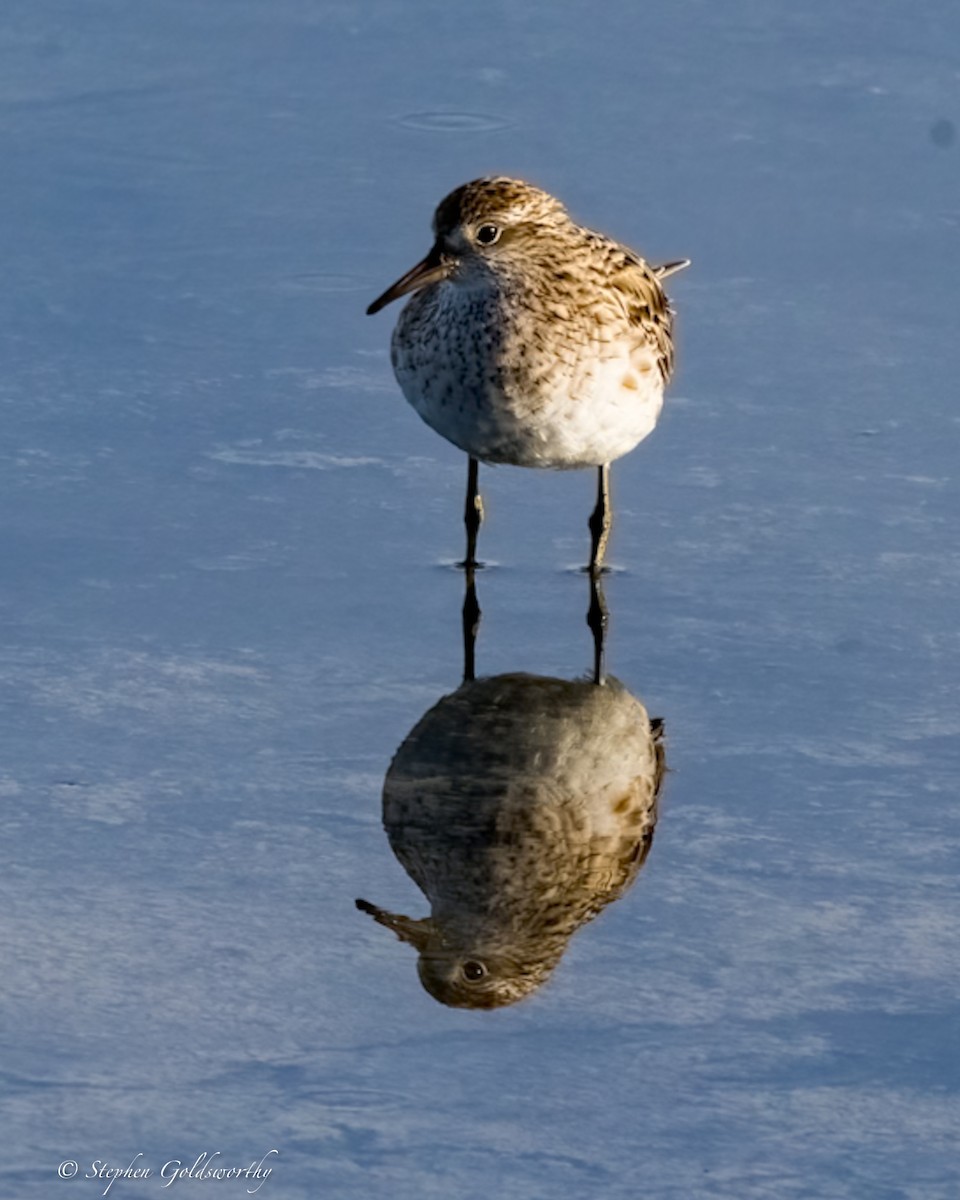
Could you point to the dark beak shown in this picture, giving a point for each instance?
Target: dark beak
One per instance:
(432, 269)
(416, 933)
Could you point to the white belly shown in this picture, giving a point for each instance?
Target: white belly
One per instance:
(532, 410)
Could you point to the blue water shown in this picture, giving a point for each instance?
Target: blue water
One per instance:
(226, 599)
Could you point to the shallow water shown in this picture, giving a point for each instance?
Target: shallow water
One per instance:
(227, 599)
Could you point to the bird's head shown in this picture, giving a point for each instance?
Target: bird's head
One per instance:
(481, 227)
(461, 968)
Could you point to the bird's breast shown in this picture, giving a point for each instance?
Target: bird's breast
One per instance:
(532, 385)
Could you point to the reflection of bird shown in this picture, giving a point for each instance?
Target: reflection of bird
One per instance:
(532, 340)
(520, 806)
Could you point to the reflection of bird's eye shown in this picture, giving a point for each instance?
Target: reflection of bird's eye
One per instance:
(473, 971)
(488, 234)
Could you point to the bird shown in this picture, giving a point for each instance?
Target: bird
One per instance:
(532, 341)
(521, 806)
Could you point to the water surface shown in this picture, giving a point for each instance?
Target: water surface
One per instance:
(226, 600)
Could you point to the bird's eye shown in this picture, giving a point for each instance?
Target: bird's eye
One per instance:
(473, 972)
(488, 234)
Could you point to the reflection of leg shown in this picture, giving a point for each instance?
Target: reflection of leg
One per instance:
(471, 624)
(472, 512)
(597, 617)
(600, 520)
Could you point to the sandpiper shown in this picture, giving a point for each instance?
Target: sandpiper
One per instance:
(521, 806)
(531, 340)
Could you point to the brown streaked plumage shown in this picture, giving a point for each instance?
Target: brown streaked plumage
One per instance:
(520, 806)
(531, 340)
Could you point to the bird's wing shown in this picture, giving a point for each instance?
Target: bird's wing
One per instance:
(637, 284)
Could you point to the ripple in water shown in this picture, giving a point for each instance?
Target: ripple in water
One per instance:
(453, 122)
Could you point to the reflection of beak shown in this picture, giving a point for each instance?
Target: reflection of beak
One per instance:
(416, 933)
(432, 269)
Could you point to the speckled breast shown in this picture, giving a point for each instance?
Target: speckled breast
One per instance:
(506, 387)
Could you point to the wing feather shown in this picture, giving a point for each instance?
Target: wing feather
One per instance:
(648, 310)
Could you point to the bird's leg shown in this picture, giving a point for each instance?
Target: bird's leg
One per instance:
(472, 513)
(601, 519)
(597, 619)
(471, 623)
